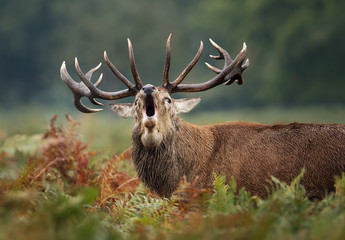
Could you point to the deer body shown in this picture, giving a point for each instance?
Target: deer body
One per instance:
(165, 148)
(251, 153)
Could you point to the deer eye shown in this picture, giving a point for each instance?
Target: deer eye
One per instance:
(168, 100)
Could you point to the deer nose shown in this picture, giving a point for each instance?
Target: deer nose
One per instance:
(148, 89)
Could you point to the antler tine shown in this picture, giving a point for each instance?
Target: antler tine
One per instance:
(94, 91)
(237, 75)
(87, 89)
(79, 89)
(227, 75)
(81, 107)
(88, 75)
(214, 69)
(136, 77)
(225, 55)
(222, 55)
(238, 78)
(97, 93)
(184, 73)
(117, 73)
(167, 64)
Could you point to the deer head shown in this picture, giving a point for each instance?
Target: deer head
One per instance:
(155, 113)
(154, 110)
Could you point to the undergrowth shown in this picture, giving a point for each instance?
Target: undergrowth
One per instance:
(53, 187)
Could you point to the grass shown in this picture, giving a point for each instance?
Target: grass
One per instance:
(71, 179)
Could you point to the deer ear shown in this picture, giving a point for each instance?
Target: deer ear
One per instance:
(184, 105)
(125, 110)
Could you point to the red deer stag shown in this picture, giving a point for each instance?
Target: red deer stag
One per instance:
(166, 148)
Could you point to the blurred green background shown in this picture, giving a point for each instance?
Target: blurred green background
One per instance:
(295, 49)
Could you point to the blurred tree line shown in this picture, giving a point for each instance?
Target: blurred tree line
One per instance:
(295, 47)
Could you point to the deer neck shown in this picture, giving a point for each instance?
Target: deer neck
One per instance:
(161, 167)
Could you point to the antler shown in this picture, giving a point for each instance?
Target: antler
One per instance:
(231, 72)
(170, 86)
(87, 89)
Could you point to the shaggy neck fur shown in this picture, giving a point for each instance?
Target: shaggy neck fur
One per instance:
(160, 167)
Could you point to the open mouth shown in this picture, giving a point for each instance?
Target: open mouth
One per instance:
(149, 106)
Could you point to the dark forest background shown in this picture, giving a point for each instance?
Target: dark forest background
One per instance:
(296, 48)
